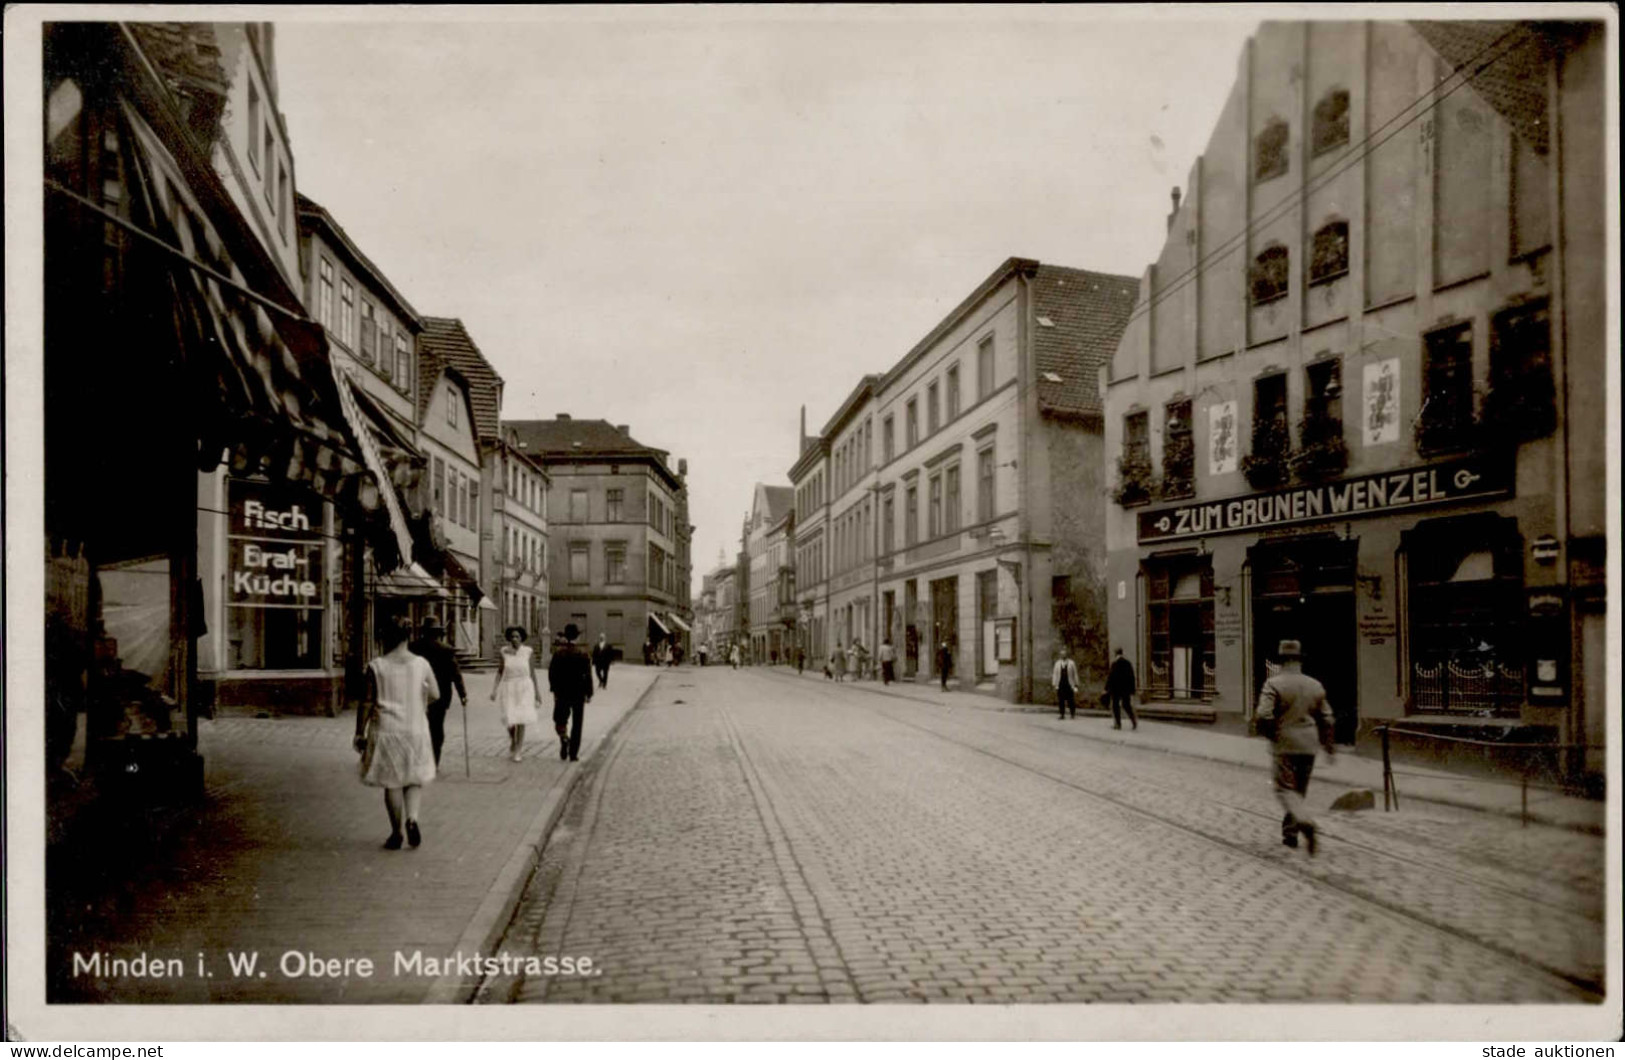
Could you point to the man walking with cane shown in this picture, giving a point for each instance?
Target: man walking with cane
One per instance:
(443, 661)
(569, 676)
(1294, 715)
(1120, 687)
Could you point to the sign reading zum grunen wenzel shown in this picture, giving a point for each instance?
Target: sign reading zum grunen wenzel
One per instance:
(1384, 491)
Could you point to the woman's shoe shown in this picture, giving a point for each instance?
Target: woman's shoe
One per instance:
(517, 757)
(393, 842)
(413, 836)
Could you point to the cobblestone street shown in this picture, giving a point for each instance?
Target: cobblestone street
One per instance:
(747, 837)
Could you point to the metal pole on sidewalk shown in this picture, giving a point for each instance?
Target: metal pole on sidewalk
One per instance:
(1388, 788)
(466, 773)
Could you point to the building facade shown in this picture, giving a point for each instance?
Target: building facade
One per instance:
(1361, 385)
(852, 528)
(516, 549)
(987, 481)
(714, 617)
(768, 550)
(809, 479)
(617, 520)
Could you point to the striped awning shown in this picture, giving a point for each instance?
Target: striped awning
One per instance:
(263, 393)
(677, 621)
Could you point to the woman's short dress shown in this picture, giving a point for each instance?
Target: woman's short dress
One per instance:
(516, 693)
(400, 753)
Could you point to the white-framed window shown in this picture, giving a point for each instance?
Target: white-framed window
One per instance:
(368, 328)
(403, 363)
(385, 368)
(324, 294)
(346, 312)
(451, 406)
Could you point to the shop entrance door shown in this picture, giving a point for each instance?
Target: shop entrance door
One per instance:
(911, 632)
(1304, 591)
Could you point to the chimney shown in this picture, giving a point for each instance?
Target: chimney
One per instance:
(682, 467)
(1175, 211)
(564, 416)
(624, 428)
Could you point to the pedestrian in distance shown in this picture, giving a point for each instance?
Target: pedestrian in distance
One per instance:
(392, 731)
(888, 662)
(602, 656)
(854, 660)
(945, 663)
(569, 676)
(431, 644)
(1294, 716)
(801, 660)
(733, 656)
(515, 690)
(1065, 679)
(837, 662)
(1120, 689)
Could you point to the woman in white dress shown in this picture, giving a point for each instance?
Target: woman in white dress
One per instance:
(516, 690)
(392, 731)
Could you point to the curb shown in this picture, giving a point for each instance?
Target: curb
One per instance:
(490, 921)
(1455, 803)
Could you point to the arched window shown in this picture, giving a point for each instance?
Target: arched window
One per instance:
(1269, 274)
(1331, 121)
(1331, 252)
(1269, 151)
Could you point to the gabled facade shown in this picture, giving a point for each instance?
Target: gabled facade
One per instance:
(809, 479)
(768, 549)
(1357, 400)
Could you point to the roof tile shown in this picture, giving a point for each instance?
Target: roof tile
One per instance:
(1087, 312)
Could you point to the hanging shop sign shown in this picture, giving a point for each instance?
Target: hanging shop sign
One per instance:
(1447, 482)
(274, 547)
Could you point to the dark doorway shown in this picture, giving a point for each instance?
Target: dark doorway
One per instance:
(945, 616)
(911, 632)
(1304, 591)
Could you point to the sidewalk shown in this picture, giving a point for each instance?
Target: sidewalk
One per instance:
(286, 856)
(1546, 807)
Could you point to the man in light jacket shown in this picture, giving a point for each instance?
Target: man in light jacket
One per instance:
(1294, 715)
(1065, 679)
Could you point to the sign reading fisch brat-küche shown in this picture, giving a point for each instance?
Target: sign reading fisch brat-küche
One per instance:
(1373, 494)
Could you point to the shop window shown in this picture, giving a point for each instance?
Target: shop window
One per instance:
(1331, 252)
(1465, 604)
(1134, 465)
(1522, 403)
(1321, 451)
(1178, 451)
(1446, 421)
(1268, 277)
(1270, 151)
(1331, 128)
(1265, 466)
(1181, 659)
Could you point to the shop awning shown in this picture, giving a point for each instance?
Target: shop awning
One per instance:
(455, 571)
(261, 386)
(374, 461)
(409, 580)
(678, 622)
(654, 620)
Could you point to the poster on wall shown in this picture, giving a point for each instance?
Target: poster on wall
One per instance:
(1382, 402)
(1221, 451)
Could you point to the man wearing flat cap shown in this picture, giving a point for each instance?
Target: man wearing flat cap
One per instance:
(569, 676)
(431, 644)
(1294, 715)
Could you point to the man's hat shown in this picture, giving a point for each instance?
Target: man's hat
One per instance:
(571, 632)
(431, 625)
(1290, 649)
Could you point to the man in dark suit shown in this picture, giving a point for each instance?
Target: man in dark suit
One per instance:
(1120, 687)
(602, 656)
(569, 676)
(431, 644)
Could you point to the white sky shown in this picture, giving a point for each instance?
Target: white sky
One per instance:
(695, 220)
